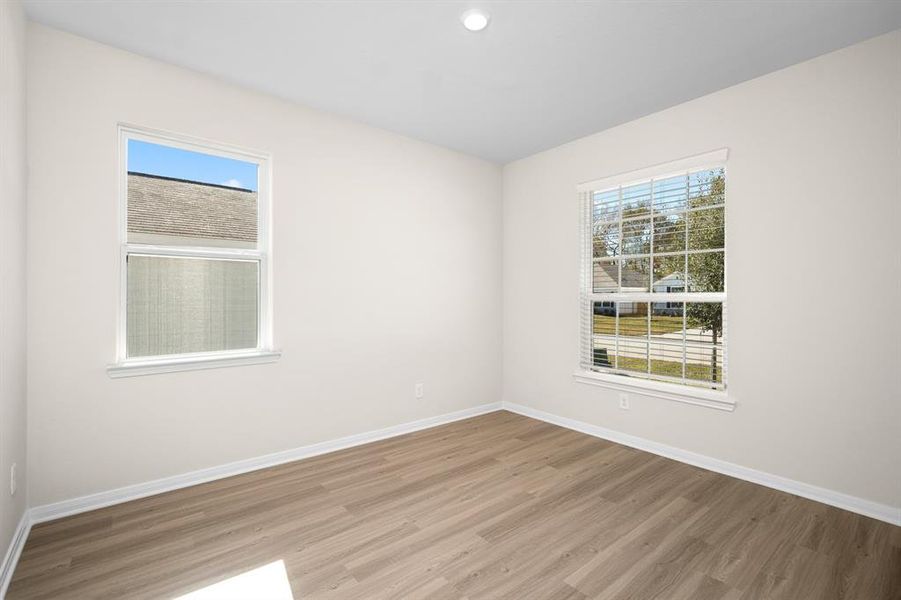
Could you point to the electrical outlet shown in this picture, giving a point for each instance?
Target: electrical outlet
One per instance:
(12, 480)
(420, 392)
(624, 402)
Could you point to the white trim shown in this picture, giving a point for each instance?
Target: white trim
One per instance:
(262, 253)
(656, 296)
(876, 510)
(49, 512)
(715, 158)
(14, 551)
(198, 252)
(189, 362)
(677, 392)
(192, 143)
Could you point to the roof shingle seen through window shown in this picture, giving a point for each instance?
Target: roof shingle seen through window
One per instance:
(606, 277)
(175, 207)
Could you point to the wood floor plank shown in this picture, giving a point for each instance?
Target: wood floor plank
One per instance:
(497, 506)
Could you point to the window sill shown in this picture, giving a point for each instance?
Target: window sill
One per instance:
(136, 368)
(657, 389)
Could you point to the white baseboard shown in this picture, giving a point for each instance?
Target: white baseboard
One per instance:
(883, 512)
(65, 508)
(14, 552)
(49, 512)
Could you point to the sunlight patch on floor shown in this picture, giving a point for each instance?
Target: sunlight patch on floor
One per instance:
(269, 582)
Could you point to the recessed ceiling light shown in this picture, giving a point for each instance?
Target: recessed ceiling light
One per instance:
(474, 20)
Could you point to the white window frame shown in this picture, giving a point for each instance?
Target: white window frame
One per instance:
(717, 399)
(264, 352)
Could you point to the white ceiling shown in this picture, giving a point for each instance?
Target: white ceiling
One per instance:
(542, 73)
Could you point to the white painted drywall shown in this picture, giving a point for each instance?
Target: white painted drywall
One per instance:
(814, 276)
(388, 270)
(386, 273)
(12, 267)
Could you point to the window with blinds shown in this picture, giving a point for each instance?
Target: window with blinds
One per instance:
(194, 249)
(653, 295)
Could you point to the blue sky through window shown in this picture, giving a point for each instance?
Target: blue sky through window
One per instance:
(155, 159)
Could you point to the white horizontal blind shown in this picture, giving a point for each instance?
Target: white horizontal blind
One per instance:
(653, 299)
(183, 304)
(585, 302)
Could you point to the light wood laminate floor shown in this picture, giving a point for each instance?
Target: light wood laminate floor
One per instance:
(497, 506)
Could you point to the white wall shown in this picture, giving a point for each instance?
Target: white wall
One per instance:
(12, 266)
(387, 265)
(386, 273)
(813, 198)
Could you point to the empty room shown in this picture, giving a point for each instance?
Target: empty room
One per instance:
(450, 299)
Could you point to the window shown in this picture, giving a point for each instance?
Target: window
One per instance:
(653, 289)
(194, 254)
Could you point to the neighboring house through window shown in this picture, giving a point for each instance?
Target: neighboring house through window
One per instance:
(653, 290)
(194, 251)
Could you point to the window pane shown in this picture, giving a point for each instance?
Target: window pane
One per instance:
(636, 275)
(704, 336)
(706, 272)
(667, 328)
(184, 305)
(179, 197)
(670, 194)
(605, 239)
(637, 200)
(605, 206)
(632, 329)
(603, 333)
(685, 342)
(705, 322)
(605, 276)
(706, 229)
(707, 188)
(637, 236)
(669, 233)
(668, 274)
(704, 363)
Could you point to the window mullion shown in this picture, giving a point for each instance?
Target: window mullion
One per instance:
(194, 252)
(615, 335)
(658, 297)
(660, 254)
(685, 281)
(622, 240)
(619, 275)
(684, 340)
(650, 306)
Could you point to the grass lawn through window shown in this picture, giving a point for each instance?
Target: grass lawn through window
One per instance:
(659, 324)
(696, 371)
